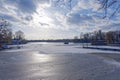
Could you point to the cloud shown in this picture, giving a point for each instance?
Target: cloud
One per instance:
(22, 6)
(87, 5)
(112, 26)
(56, 18)
(28, 18)
(20, 10)
(26, 6)
(43, 1)
(9, 17)
(76, 18)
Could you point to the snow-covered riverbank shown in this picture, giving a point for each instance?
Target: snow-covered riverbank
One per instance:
(59, 48)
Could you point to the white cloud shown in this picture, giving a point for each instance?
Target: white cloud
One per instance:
(86, 5)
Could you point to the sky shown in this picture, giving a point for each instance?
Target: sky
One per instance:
(49, 19)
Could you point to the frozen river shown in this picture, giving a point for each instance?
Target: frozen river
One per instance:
(56, 61)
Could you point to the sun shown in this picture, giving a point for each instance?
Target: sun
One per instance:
(41, 17)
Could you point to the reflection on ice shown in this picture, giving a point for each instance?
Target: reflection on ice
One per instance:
(27, 57)
(41, 57)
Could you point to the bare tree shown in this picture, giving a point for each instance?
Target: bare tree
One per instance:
(107, 4)
(19, 35)
(5, 31)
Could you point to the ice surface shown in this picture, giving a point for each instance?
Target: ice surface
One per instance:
(59, 48)
(54, 61)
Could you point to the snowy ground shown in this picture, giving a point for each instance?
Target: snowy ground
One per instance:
(57, 61)
(59, 48)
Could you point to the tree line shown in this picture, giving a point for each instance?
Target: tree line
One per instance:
(99, 37)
